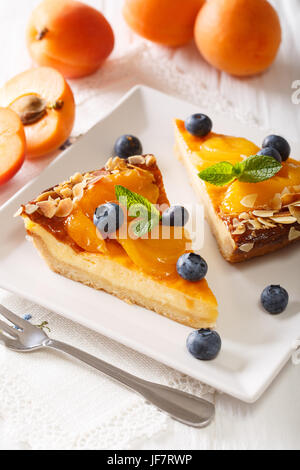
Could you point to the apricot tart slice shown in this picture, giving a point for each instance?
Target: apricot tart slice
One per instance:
(247, 219)
(138, 270)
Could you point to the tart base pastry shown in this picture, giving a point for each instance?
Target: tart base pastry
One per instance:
(189, 303)
(247, 220)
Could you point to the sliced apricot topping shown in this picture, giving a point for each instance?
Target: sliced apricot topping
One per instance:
(137, 180)
(84, 233)
(157, 255)
(12, 144)
(45, 104)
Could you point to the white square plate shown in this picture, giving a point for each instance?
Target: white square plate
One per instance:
(255, 345)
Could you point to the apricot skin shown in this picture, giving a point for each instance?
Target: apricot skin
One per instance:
(69, 36)
(167, 22)
(240, 37)
(12, 144)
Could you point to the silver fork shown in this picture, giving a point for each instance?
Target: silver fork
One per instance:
(183, 407)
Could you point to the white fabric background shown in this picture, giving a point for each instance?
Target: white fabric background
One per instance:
(49, 402)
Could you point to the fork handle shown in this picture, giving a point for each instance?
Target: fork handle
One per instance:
(184, 407)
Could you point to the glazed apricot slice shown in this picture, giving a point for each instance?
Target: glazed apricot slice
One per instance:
(12, 144)
(45, 104)
(82, 230)
(70, 36)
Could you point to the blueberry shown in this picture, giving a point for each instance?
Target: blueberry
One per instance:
(274, 299)
(270, 152)
(128, 145)
(175, 216)
(204, 344)
(191, 267)
(108, 218)
(198, 124)
(278, 143)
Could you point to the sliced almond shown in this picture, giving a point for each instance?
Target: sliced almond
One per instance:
(64, 208)
(76, 178)
(236, 222)
(263, 213)
(288, 199)
(44, 196)
(78, 191)
(136, 160)
(276, 202)
(246, 247)
(239, 230)
(19, 212)
(150, 160)
(286, 220)
(244, 216)
(254, 224)
(293, 234)
(47, 208)
(266, 222)
(31, 208)
(66, 192)
(295, 212)
(249, 200)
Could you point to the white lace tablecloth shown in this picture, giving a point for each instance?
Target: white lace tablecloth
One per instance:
(50, 402)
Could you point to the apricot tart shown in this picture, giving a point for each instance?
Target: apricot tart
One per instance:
(247, 219)
(61, 224)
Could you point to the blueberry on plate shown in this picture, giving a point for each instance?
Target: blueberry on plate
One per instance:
(274, 299)
(270, 152)
(108, 218)
(191, 267)
(279, 143)
(204, 344)
(198, 124)
(175, 216)
(128, 145)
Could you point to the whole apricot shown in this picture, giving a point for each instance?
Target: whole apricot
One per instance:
(69, 36)
(168, 22)
(240, 37)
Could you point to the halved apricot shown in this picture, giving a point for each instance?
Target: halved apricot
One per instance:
(45, 104)
(12, 144)
(70, 36)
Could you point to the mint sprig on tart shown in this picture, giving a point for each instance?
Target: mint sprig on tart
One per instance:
(254, 169)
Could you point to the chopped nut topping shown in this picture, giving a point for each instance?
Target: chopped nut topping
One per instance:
(136, 160)
(64, 208)
(246, 247)
(288, 199)
(276, 202)
(263, 213)
(48, 208)
(244, 216)
(19, 212)
(44, 196)
(150, 160)
(254, 224)
(239, 230)
(31, 208)
(78, 191)
(249, 200)
(293, 234)
(76, 178)
(295, 212)
(66, 192)
(288, 219)
(266, 222)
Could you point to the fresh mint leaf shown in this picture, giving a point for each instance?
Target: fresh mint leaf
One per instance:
(253, 169)
(146, 214)
(220, 174)
(259, 168)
